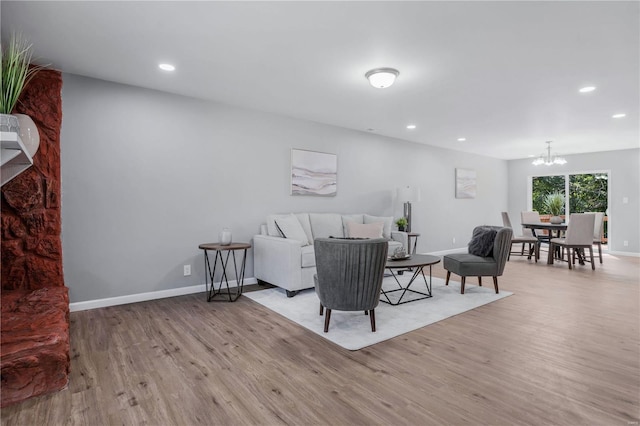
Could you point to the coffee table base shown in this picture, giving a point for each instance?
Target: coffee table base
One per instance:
(418, 271)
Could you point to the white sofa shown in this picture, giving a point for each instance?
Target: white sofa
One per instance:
(290, 263)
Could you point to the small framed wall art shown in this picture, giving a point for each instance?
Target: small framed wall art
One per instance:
(465, 183)
(313, 173)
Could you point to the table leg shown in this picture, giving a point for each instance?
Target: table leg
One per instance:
(224, 263)
(419, 270)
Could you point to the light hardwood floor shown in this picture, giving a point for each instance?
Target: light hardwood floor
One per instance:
(563, 350)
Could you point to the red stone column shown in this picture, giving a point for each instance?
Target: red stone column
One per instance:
(35, 303)
(31, 223)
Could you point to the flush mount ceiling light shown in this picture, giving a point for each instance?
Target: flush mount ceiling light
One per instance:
(587, 89)
(166, 67)
(549, 161)
(382, 78)
(411, 126)
(618, 115)
(462, 139)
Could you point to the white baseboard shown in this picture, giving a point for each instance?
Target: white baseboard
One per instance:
(143, 297)
(621, 253)
(443, 252)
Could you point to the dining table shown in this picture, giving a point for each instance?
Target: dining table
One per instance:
(555, 231)
(551, 227)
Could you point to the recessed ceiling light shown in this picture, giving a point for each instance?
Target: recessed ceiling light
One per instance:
(371, 129)
(167, 67)
(618, 115)
(411, 126)
(587, 89)
(462, 139)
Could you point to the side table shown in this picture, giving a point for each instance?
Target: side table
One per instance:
(414, 235)
(211, 272)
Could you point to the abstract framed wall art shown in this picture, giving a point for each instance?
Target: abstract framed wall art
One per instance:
(465, 183)
(313, 173)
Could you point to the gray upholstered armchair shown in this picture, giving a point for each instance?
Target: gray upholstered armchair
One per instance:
(349, 275)
(489, 262)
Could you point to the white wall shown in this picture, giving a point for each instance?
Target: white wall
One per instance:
(624, 182)
(147, 176)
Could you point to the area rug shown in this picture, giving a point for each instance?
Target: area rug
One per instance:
(352, 330)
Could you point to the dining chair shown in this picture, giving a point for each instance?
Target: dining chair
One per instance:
(349, 275)
(579, 236)
(529, 240)
(598, 231)
(534, 217)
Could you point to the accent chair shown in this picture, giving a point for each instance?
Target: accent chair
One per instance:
(491, 263)
(349, 275)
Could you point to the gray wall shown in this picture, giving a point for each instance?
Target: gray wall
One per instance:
(624, 182)
(147, 176)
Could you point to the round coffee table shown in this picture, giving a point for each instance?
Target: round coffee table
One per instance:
(417, 262)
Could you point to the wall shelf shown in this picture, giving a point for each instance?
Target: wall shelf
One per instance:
(14, 157)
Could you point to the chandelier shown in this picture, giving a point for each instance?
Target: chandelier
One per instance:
(549, 160)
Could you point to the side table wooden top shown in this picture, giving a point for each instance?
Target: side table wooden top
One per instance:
(220, 247)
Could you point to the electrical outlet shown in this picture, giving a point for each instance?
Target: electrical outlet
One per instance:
(187, 270)
(625, 243)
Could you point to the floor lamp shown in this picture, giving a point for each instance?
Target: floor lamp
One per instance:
(408, 195)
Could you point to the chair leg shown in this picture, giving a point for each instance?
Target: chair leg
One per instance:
(480, 281)
(600, 251)
(372, 317)
(522, 250)
(462, 285)
(321, 309)
(495, 284)
(570, 257)
(447, 280)
(593, 265)
(326, 320)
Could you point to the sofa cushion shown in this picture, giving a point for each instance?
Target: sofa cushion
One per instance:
(357, 218)
(325, 225)
(303, 218)
(290, 228)
(369, 230)
(308, 256)
(481, 243)
(387, 220)
(272, 229)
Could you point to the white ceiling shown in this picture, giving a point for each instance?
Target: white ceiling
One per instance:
(505, 75)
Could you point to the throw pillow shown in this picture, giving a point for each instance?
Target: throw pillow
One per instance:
(481, 243)
(291, 228)
(387, 221)
(370, 230)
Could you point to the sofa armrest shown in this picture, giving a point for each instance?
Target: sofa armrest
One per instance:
(402, 238)
(277, 261)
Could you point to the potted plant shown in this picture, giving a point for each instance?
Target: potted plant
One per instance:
(554, 204)
(402, 223)
(16, 71)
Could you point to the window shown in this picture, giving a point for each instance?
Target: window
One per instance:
(588, 192)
